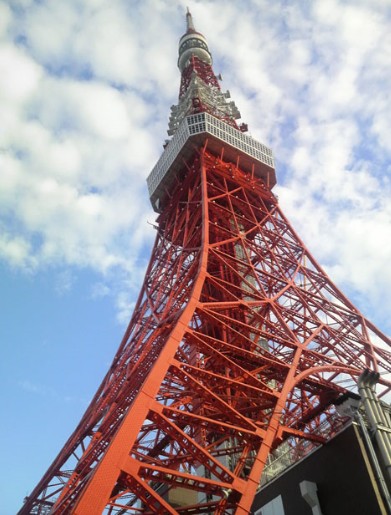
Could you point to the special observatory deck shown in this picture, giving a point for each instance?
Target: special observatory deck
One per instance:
(254, 157)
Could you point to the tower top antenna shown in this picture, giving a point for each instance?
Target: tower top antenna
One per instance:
(189, 21)
(192, 43)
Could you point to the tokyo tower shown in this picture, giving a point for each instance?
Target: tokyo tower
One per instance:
(239, 342)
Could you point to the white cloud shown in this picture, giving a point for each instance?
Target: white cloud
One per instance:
(64, 282)
(72, 166)
(19, 74)
(124, 308)
(5, 19)
(15, 250)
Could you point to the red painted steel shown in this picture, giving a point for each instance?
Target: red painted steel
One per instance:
(239, 341)
(205, 73)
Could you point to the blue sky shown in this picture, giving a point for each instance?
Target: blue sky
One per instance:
(85, 92)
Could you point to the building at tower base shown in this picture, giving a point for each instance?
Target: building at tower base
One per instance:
(348, 474)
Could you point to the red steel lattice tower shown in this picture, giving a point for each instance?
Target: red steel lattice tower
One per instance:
(239, 341)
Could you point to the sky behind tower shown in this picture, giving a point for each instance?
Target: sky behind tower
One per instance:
(85, 92)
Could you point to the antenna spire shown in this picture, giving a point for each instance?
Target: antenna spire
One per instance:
(189, 21)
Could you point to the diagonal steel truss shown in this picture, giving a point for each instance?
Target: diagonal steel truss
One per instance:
(239, 341)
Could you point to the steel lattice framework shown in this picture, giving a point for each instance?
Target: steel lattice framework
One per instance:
(238, 342)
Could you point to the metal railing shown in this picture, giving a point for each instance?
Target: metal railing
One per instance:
(204, 123)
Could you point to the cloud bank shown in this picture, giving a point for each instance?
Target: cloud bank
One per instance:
(85, 90)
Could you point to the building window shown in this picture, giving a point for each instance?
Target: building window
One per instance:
(273, 507)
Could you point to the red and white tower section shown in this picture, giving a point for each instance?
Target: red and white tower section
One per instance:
(239, 342)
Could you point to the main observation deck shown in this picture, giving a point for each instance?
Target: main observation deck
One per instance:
(239, 148)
